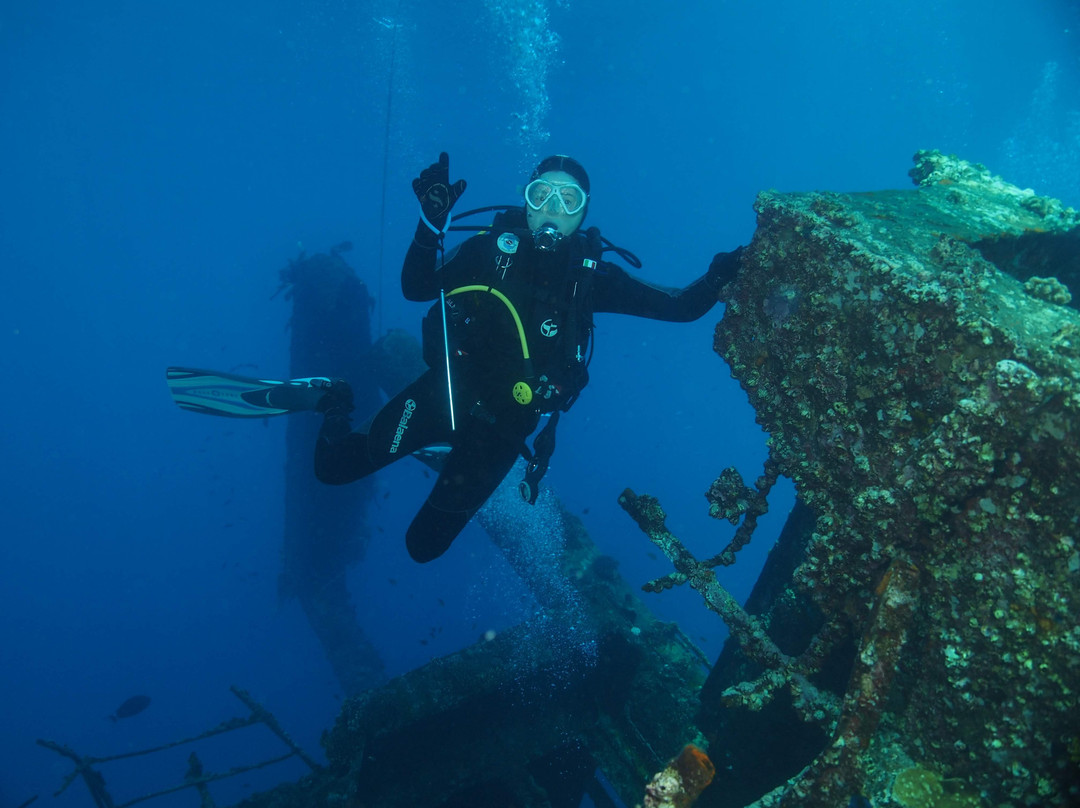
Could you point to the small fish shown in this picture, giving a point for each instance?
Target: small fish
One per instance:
(133, 706)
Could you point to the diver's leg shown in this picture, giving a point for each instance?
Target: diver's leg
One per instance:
(416, 417)
(472, 472)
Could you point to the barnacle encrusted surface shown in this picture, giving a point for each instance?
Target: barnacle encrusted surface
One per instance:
(927, 407)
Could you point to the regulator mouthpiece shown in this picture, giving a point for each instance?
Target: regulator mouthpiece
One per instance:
(547, 237)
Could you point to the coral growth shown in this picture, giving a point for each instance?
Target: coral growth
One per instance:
(922, 788)
(681, 782)
(927, 407)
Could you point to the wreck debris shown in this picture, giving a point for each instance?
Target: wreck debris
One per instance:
(730, 499)
(681, 782)
(750, 506)
(195, 777)
(838, 769)
(619, 699)
(913, 358)
(780, 669)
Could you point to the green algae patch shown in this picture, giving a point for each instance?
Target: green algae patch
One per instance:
(921, 788)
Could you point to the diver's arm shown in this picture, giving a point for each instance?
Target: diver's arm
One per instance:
(620, 292)
(419, 280)
(437, 196)
(422, 280)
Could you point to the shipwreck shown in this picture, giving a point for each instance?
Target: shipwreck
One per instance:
(913, 640)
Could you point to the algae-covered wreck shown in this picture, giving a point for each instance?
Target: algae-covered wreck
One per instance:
(914, 640)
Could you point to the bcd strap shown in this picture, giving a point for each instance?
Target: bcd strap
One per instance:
(536, 462)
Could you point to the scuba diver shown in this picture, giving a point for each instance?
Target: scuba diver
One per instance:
(507, 341)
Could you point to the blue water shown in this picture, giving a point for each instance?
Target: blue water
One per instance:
(159, 163)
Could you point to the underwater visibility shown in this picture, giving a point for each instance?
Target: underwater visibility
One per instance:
(796, 284)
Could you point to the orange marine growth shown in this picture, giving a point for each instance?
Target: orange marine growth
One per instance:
(682, 782)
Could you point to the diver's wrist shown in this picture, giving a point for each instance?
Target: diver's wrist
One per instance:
(425, 238)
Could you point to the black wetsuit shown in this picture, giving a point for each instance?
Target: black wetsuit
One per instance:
(554, 295)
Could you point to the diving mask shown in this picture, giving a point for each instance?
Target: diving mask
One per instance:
(555, 197)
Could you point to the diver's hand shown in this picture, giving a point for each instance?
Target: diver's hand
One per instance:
(724, 267)
(437, 196)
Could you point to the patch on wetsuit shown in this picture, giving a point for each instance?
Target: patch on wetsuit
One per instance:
(508, 243)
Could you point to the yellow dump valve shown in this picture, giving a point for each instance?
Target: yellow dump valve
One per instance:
(522, 393)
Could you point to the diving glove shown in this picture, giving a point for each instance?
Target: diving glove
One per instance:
(437, 196)
(724, 267)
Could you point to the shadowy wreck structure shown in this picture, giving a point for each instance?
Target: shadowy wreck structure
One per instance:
(325, 526)
(913, 640)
